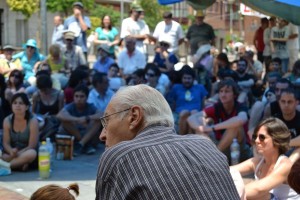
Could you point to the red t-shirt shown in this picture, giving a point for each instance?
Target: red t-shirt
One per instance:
(260, 39)
(69, 92)
(218, 114)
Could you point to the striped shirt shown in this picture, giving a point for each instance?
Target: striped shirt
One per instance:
(159, 164)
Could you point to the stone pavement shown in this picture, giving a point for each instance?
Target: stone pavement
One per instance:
(81, 170)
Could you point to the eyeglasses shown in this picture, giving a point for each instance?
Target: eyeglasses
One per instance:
(261, 137)
(30, 47)
(162, 44)
(69, 40)
(150, 75)
(104, 121)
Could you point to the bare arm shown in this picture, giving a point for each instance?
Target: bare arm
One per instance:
(246, 167)
(275, 178)
(96, 116)
(267, 111)
(34, 135)
(61, 100)
(82, 24)
(97, 41)
(196, 120)
(6, 137)
(34, 102)
(233, 122)
(64, 115)
(295, 142)
(247, 83)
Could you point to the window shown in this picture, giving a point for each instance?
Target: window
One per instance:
(180, 10)
(21, 31)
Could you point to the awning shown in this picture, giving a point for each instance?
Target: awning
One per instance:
(286, 9)
(196, 4)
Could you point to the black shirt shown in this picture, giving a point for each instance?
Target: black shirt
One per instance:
(293, 125)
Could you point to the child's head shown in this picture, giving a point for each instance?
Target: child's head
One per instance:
(55, 192)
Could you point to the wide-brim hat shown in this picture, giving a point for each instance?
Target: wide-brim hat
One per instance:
(9, 47)
(31, 43)
(200, 13)
(104, 47)
(136, 7)
(69, 35)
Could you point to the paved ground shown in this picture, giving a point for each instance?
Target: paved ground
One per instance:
(81, 170)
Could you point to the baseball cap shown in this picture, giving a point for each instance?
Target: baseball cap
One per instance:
(78, 4)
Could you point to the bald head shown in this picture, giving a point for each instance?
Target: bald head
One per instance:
(57, 20)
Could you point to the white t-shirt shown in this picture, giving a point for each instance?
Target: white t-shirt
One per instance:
(129, 64)
(293, 43)
(281, 50)
(267, 49)
(173, 31)
(131, 27)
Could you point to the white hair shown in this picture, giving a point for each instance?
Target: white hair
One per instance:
(155, 106)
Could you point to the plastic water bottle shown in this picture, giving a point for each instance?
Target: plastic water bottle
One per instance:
(50, 148)
(44, 161)
(235, 152)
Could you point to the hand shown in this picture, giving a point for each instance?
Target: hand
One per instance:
(13, 153)
(165, 54)
(77, 13)
(204, 129)
(109, 44)
(81, 120)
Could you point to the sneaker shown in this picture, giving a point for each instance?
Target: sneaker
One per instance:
(4, 164)
(77, 149)
(89, 150)
(5, 171)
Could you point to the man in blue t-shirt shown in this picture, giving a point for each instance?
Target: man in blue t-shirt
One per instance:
(79, 24)
(79, 119)
(186, 98)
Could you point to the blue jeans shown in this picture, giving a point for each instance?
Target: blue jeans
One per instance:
(284, 65)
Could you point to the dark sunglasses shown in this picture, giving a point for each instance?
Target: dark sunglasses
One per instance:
(30, 47)
(162, 44)
(69, 40)
(16, 75)
(150, 75)
(261, 137)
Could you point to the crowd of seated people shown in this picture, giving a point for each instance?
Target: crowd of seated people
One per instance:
(216, 98)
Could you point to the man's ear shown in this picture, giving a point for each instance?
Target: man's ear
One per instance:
(136, 119)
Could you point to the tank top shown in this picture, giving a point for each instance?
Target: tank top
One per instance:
(50, 109)
(282, 191)
(56, 67)
(19, 140)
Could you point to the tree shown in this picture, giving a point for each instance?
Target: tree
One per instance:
(99, 11)
(153, 12)
(65, 6)
(26, 7)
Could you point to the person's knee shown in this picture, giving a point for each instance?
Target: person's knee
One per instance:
(29, 155)
(184, 114)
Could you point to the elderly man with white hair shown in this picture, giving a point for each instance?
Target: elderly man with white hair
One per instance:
(146, 159)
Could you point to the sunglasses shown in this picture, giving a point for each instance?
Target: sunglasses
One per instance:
(261, 137)
(150, 75)
(16, 75)
(30, 47)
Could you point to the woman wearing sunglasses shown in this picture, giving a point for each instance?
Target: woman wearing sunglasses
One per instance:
(271, 139)
(14, 84)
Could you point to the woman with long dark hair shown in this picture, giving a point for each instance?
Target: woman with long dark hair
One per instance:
(107, 34)
(14, 84)
(20, 134)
